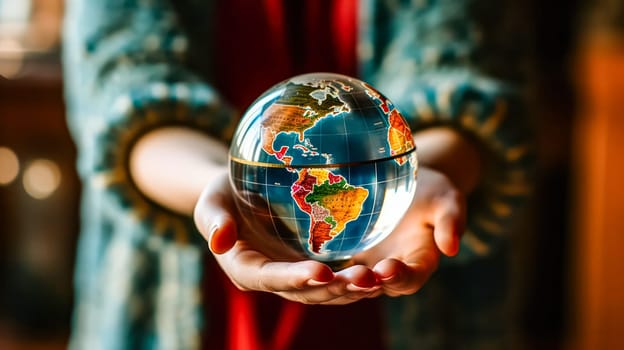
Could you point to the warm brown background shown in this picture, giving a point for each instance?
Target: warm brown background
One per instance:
(568, 288)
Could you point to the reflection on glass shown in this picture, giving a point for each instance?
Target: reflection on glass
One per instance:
(9, 166)
(41, 178)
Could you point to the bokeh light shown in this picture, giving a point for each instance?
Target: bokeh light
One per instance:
(41, 178)
(9, 165)
(11, 57)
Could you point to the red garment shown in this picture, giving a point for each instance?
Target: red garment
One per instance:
(249, 320)
(260, 43)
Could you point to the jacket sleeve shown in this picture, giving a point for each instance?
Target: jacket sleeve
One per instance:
(460, 64)
(126, 67)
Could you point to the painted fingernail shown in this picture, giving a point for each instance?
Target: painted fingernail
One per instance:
(213, 229)
(211, 233)
(386, 279)
(314, 283)
(353, 288)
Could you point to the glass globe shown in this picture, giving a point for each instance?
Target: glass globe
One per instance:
(323, 166)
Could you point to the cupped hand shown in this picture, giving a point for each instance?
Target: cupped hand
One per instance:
(254, 264)
(399, 265)
(432, 225)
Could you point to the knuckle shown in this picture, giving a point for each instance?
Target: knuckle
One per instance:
(263, 281)
(303, 298)
(452, 197)
(337, 289)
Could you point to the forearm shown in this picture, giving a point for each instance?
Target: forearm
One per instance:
(452, 153)
(172, 165)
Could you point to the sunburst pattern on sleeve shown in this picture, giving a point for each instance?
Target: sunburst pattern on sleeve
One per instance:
(139, 111)
(127, 72)
(139, 267)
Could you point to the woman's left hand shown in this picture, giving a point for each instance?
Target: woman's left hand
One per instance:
(432, 225)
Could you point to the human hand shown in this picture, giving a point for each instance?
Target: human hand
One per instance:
(399, 265)
(449, 167)
(433, 224)
(253, 262)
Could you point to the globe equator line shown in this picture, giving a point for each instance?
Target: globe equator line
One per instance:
(306, 166)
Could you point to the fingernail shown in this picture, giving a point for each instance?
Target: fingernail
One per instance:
(353, 288)
(387, 278)
(455, 247)
(211, 232)
(314, 283)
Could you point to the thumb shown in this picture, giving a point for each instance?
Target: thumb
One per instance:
(222, 235)
(447, 232)
(214, 221)
(449, 222)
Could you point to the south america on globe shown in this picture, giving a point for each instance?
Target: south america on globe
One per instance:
(322, 165)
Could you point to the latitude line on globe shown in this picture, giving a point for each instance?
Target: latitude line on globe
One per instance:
(308, 166)
(361, 184)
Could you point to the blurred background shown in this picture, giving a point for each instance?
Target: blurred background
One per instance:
(567, 289)
(39, 188)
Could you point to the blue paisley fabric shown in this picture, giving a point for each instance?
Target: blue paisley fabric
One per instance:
(133, 65)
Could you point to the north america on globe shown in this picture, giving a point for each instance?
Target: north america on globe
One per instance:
(298, 110)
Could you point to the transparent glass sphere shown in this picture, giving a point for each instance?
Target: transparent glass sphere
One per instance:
(323, 165)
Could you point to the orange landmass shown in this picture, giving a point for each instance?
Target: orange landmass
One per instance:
(399, 135)
(319, 235)
(283, 118)
(344, 206)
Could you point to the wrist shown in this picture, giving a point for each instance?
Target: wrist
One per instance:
(452, 153)
(172, 165)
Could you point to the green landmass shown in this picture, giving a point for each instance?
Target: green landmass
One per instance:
(330, 220)
(326, 189)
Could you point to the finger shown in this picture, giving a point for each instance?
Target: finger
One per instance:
(358, 277)
(398, 278)
(222, 235)
(215, 224)
(283, 276)
(349, 285)
(355, 296)
(334, 293)
(251, 270)
(448, 226)
(446, 232)
(322, 296)
(213, 218)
